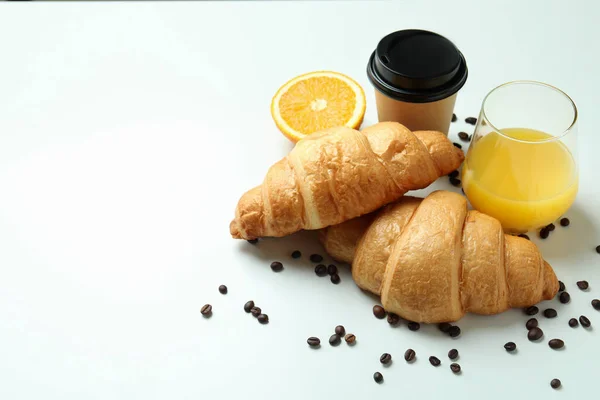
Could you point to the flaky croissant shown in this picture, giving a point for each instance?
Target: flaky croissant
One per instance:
(339, 174)
(432, 260)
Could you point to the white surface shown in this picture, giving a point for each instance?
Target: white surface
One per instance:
(128, 133)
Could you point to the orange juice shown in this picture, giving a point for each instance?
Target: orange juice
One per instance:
(525, 183)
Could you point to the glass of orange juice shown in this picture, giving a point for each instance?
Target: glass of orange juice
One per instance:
(521, 167)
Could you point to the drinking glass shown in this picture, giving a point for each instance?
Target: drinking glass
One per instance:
(521, 167)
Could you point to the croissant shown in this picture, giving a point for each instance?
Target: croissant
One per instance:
(339, 174)
(431, 260)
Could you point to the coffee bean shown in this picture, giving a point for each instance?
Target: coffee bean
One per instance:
(276, 266)
(556, 344)
(453, 354)
(296, 254)
(335, 279)
(531, 323)
(256, 311)
(340, 330)
(393, 319)
(248, 306)
(544, 233)
(378, 377)
(561, 286)
(263, 318)
(471, 120)
(332, 269)
(573, 322)
(463, 136)
(454, 118)
(565, 222)
(535, 334)
(531, 310)
(453, 174)
(385, 358)
(524, 236)
(379, 312)
(321, 270)
(444, 327)
(596, 304)
(434, 361)
(555, 383)
(584, 321)
(409, 355)
(583, 285)
(253, 241)
(457, 145)
(454, 331)
(564, 297)
(551, 227)
(223, 289)
(455, 182)
(455, 367)
(350, 338)
(334, 340)
(316, 258)
(510, 346)
(414, 326)
(206, 310)
(313, 341)
(550, 313)
(598, 249)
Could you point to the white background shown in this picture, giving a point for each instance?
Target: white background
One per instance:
(128, 131)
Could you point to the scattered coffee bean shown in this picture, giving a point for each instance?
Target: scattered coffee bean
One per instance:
(583, 285)
(263, 318)
(510, 346)
(573, 322)
(276, 266)
(531, 310)
(550, 313)
(564, 297)
(454, 118)
(206, 310)
(551, 227)
(556, 344)
(455, 182)
(316, 258)
(454, 331)
(434, 361)
(584, 321)
(463, 136)
(332, 269)
(321, 270)
(596, 304)
(223, 289)
(457, 145)
(253, 241)
(561, 286)
(414, 326)
(313, 341)
(565, 222)
(455, 367)
(248, 306)
(453, 354)
(444, 327)
(378, 377)
(531, 323)
(296, 254)
(379, 312)
(535, 334)
(453, 174)
(471, 120)
(409, 355)
(335, 279)
(340, 330)
(350, 338)
(334, 340)
(385, 358)
(524, 236)
(256, 311)
(544, 233)
(393, 319)
(555, 383)
(598, 249)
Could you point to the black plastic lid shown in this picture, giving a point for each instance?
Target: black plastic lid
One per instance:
(417, 66)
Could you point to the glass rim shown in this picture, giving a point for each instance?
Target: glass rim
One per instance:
(538, 83)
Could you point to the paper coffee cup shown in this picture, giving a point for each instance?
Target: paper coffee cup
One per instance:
(416, 75)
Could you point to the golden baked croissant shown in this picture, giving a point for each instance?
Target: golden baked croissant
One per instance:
(339, 174)
(431, 260)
